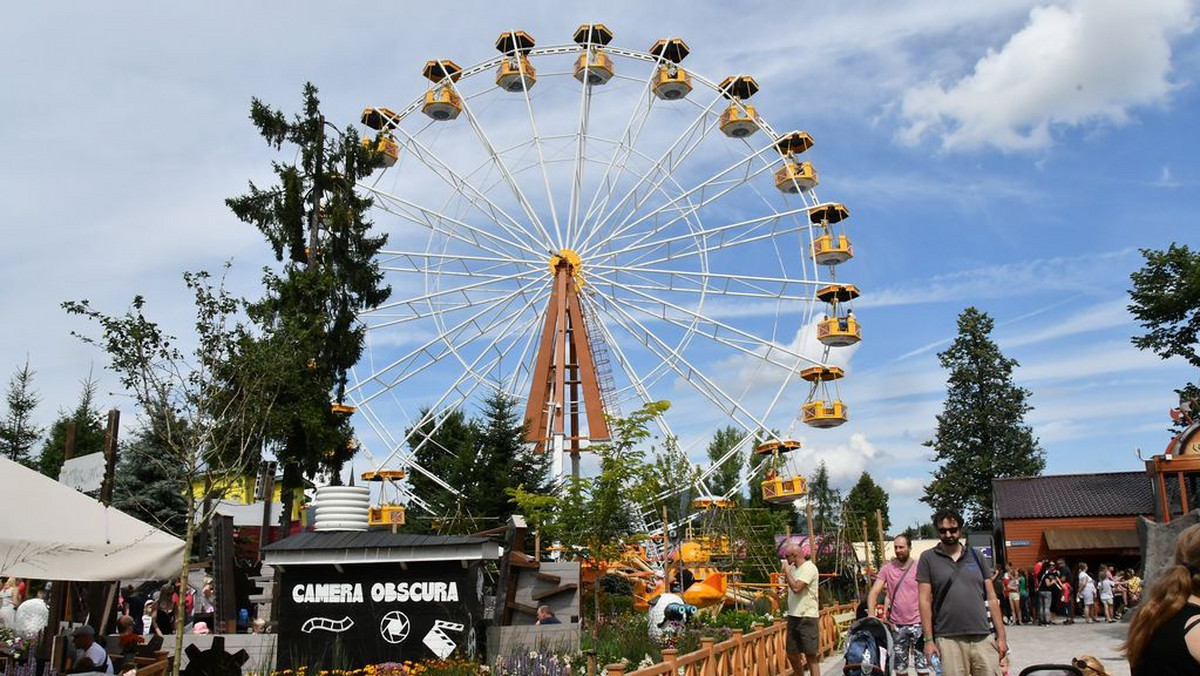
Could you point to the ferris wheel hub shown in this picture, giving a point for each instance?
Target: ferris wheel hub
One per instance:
(569, 258)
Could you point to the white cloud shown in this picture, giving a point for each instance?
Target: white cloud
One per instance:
(1081, 64)
(905, 486)
(1166, 179)
(845, 462)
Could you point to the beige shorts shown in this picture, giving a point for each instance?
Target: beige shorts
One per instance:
(969, 655)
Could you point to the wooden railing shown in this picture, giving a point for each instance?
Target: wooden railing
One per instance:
(762, 652)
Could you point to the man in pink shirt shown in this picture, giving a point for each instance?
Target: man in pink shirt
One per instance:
(902, 612)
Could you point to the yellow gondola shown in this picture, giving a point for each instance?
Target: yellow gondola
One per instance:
(342, 409)
(795, 176)
(386, 146)
(671, 82)
(441, 101)
(740, 119)
(830, 249)
(780, 490)
(839, 331)
(833, 212)
(712, 503)
(386, 515)
(593, 65)
(825, 414)
(515, 73)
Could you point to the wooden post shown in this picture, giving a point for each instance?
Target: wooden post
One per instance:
(707, 667)
(267, 491)
(867, 541)
(615, 670)
(879, 525)
(739, 657)
(1183, 496)
(110, 456)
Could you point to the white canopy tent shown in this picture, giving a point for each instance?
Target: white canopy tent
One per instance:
(53, 532)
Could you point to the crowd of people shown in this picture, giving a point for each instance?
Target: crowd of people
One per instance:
(1051, 592)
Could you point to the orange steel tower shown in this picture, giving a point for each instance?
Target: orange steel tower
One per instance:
(564, 375)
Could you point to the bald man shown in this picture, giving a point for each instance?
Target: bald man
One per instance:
(803, 613)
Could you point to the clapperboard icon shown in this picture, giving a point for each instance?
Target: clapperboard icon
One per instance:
(438, 642)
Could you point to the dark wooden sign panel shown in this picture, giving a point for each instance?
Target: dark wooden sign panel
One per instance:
(375, 613)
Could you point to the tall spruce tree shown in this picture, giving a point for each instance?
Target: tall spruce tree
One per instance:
(864, 498)
(18, 431)
(826, 501)
(1166, 302)
(502, 459)
(448, 452)
(147, 483)
(316, 224)
(981, 433)
(729, 473)
(89, 432)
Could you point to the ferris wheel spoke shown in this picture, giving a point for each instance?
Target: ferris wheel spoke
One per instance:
(625, 143)
(715, 325)
(585, 104)
(689, 372)
(700, 280)
(639, 384)
(702, 190)
(514, 186)
(431, 356)
(538, 144)
(420, 311)
(431, 219)
(455, 388)
(407, 461)
(664, 159)
(692, 248)
(477, 198)
(488, 281)
(706, 233)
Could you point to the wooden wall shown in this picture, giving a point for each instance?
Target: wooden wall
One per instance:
(1033, 529)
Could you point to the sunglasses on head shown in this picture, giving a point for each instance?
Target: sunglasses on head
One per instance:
(1081, 664)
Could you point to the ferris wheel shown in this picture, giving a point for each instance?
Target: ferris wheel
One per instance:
(589, 228)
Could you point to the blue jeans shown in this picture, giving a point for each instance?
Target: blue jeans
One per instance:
(1044, 598)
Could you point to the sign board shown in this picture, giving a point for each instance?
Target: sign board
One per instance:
(1018, 543)
(85, 473)
(378, 612)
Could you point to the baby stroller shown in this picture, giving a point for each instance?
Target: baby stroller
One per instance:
(868, 648)
(1051, 670)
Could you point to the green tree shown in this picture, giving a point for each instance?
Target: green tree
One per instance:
(1166, 302)
(147, 484)
(446, 447)
(729, 473)
(205, 423)
(89, 432)
(861, 502)
(315, 222)
(867, 496)
(981, 433)
(18, 431)
(502, 459)
(674, 479)
(826, 501)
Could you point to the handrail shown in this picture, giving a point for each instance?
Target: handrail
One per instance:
(762, 652)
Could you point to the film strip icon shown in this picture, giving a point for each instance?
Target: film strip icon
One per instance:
(438, 642)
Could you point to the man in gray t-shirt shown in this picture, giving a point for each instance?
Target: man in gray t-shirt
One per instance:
(955, 599)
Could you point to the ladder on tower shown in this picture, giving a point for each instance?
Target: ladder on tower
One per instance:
(603, 365)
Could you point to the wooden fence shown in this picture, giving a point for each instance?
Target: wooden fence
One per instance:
(762, 652)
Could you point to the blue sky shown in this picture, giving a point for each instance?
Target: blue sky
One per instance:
(1008, 155)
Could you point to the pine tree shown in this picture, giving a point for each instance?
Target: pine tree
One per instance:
(1166, 301)
(981, 433)
(865, 497)
(89, 432)
(672, 472)
(18, 431)
(503, 460)
(449, 454)
(315, 222)
(148, 485)
(826, 501)
(728, 474)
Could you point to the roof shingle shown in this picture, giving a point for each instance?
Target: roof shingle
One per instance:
(1074, 495)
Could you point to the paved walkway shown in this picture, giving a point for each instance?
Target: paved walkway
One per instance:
(1051, 645)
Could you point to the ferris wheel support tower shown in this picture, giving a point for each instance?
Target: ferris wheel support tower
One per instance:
(564, 377)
